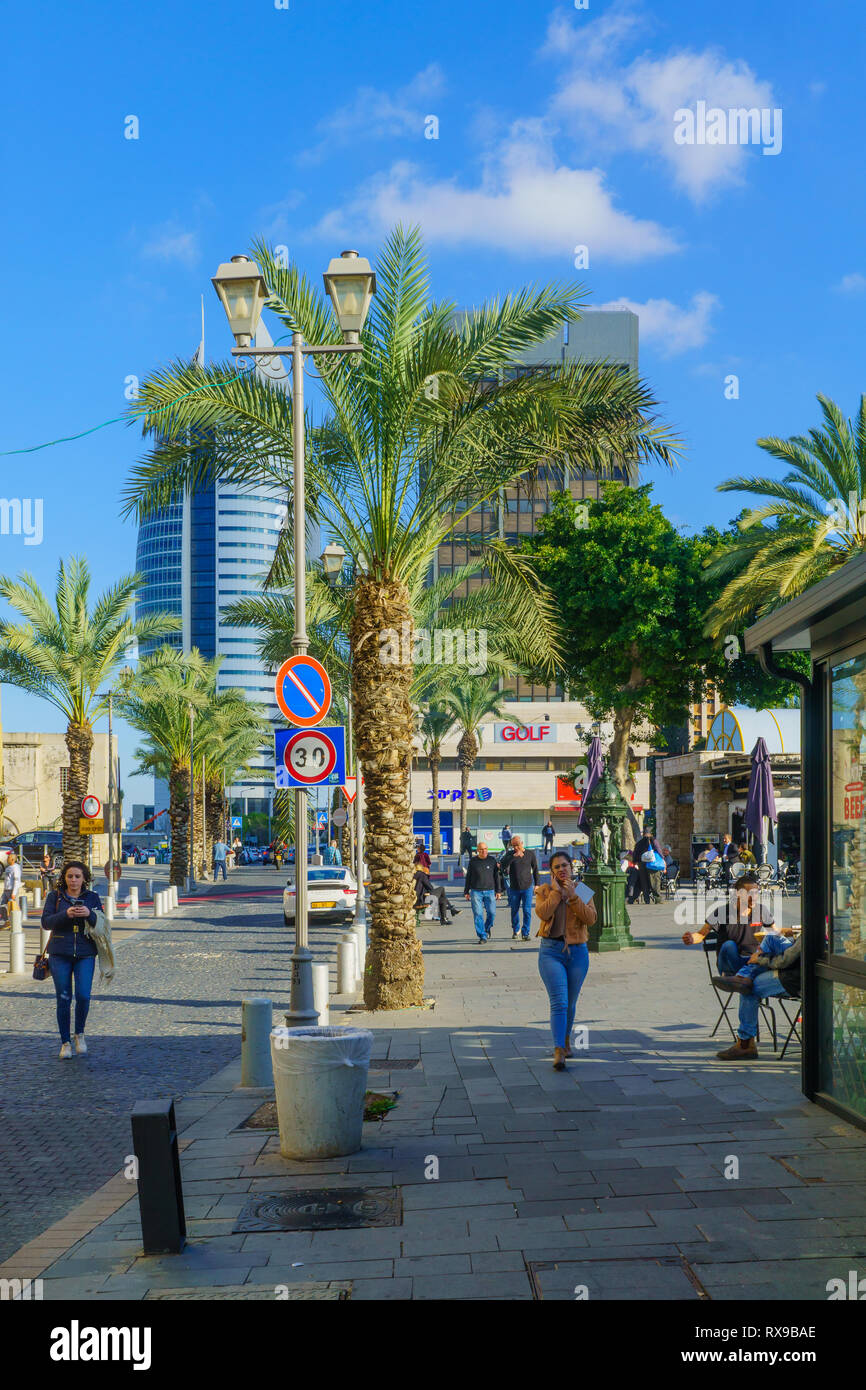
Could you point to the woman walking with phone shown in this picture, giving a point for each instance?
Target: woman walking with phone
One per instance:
(563, 956)
(70, 908)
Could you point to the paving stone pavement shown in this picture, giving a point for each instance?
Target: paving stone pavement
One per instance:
(169, 1020)
(518, 1182)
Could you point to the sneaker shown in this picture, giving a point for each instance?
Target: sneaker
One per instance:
(80, 1044)
(482, 941)
(65, 1050)
(514, 935)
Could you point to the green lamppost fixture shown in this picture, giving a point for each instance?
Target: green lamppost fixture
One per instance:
(605, 815)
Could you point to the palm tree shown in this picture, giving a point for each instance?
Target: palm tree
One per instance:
(469, 706)
(231, 732)
(818, 516)
(68, 654)
(422, 426)
(436, 721)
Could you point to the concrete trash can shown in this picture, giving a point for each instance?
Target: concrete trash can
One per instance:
(320, 1077)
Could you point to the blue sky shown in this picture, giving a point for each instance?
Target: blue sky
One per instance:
(307, 124)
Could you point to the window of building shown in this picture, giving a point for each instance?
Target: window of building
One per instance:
(64, 780)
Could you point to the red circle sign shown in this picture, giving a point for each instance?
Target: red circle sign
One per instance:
(302, 689)
(91, 807)
(309, 756)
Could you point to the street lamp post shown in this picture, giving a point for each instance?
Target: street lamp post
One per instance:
(191, 799)
(243, 293)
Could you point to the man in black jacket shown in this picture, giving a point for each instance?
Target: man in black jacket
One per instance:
(520, 872)
(483, 887)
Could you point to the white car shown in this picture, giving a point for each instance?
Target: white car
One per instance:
(332, 892)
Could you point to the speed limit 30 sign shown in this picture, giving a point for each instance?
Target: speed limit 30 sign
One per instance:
(309, 757)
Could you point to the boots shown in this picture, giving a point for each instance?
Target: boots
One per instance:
(740, 1051)
(559, 1059)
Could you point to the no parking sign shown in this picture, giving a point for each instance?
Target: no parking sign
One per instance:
(309, 757)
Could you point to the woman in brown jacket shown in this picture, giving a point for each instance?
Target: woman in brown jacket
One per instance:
(563, 956)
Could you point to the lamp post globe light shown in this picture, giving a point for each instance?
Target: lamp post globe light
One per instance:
(243, 293)
(332, 558)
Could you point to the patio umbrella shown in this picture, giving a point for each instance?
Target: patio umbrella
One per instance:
(594, 773)
(761, 801)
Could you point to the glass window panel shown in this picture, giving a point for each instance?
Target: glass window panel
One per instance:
(842, 1048)
(848, 809)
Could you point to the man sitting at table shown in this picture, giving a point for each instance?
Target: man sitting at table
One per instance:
(735, 920)
(772, 945)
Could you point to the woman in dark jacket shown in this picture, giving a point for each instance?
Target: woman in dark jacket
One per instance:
(71, 953)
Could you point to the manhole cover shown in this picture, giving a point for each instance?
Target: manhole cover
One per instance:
(322, 1209)
(606, 1280)
(260, 1293)
(394, 1064)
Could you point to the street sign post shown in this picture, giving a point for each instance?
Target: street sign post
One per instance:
(302, 688)
(91, 825)
(339, 817)
(350, 788)
(91, 807)
(309, 757)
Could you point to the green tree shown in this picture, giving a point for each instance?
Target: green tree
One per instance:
(68, 652)
(812, 521)
(424, 424)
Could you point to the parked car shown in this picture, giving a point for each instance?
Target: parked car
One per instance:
(30, 846)
(332, 895)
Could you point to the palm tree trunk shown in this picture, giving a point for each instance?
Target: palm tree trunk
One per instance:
(79, 742)
(436, 839)
(178, 814)
(467, 752)
(384, 730)
(215, 813)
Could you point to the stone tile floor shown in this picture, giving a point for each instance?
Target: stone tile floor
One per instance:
(648, 1170)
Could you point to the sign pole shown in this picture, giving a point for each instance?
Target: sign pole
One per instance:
(361, 908)
(302, 1009)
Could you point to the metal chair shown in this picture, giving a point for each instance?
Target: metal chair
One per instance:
(711, 944)
(672, 879)
(765, 874)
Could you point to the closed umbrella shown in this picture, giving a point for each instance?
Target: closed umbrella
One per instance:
(594, 772)
(761, 801)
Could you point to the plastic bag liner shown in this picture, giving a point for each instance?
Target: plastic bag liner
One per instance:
(299, 1051)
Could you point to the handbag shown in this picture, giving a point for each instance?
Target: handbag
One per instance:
(41, 969)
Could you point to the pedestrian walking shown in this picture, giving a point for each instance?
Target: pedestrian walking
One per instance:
(650, 862)
(220, 854)
(466, 846)
(520, 872)
(547, 835)
(505, 835)
(483, 888)
(563, 955)
(69, 910)
(11, 885)
(332, 854)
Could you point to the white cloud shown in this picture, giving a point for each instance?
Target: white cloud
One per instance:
(379, 115)
(169, 244)
(672, 328)
(526, 203)
(855, 283)
(629, 105)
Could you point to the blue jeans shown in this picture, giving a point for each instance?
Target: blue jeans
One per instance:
(766, 986)
(520, 898)
(483, 911)
(563, 971)
(63, 970)
(217, 865)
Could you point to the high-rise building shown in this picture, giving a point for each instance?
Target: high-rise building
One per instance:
(515, 779)
(159, 558)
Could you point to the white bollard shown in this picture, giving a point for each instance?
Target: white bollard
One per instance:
(321, 994)
(158, 904)
(16, 944)
(22, 907)
(359, 931)
(256, 1024)
(347, 953)
(110, 907)
(148, 888)
(175, 902)
(37, 898)
(132, 905)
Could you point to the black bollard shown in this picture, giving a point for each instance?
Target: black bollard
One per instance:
(160, 1194)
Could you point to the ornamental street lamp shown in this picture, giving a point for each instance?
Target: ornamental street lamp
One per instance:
(332, 558)
(242, 291)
